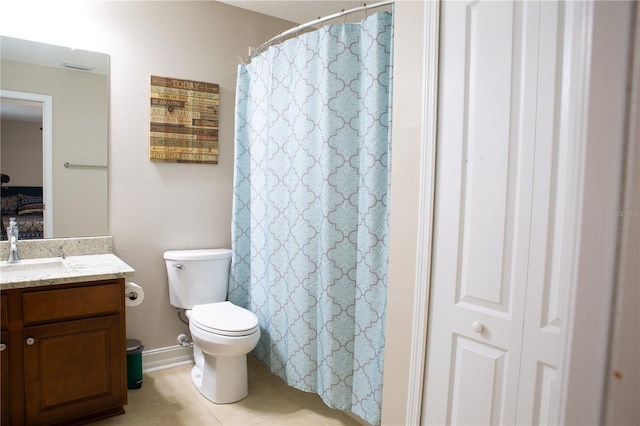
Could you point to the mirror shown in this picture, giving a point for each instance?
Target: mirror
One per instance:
(53, 143)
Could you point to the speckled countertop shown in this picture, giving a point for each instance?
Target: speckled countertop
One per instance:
(62, 260)
(58, 247)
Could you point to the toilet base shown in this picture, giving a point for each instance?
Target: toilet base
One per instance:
(221, 380)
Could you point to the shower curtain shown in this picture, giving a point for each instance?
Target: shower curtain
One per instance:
(310, 208)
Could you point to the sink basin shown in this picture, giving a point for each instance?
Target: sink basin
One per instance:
(31, 269)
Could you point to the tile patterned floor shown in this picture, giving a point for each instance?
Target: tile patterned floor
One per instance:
(168, 397)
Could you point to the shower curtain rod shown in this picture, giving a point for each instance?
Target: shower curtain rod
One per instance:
(255, 52)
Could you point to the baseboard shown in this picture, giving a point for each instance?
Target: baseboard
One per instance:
(162, 358)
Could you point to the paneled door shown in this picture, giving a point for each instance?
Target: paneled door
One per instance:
(73, 369)
(494, 323)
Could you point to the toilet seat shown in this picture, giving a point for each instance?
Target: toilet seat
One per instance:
(224, 318)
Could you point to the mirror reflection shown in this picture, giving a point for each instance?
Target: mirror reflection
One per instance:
(53, 141)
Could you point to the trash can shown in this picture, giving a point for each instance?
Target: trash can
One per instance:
(134, 363)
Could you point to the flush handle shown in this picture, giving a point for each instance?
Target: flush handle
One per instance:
(30, 341)
(178, 265)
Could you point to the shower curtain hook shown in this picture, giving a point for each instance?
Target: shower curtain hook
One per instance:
(344, 17)
(366, 13)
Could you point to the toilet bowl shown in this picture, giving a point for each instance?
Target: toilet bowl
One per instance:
(222, 332)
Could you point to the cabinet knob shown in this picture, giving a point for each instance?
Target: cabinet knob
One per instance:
(477, 327)
(30, 341)
(2, 347)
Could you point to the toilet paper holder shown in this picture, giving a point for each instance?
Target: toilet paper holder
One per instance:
(132, 295)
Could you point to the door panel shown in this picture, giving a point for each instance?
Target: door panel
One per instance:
(496, 182)
(478, 380)
(485, 151)
(73, 368)
(545, 405)
(537, 394)
(4, 380)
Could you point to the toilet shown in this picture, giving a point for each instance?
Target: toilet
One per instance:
(223, 333)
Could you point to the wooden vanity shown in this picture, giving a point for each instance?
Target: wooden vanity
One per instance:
(63, 352)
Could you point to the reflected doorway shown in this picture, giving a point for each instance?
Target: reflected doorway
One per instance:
(26, 152)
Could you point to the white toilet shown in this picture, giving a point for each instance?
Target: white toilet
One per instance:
(222, 332)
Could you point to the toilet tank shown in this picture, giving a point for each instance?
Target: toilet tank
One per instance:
(197, 276)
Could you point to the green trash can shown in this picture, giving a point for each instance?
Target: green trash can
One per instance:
(134, 363)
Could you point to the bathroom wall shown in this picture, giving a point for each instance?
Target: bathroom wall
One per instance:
(154, 206)
(160, 206)
(26, 138)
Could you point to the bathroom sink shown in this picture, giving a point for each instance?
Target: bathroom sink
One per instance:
(31, 269)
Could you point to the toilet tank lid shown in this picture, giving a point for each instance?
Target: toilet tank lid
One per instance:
(201, 254)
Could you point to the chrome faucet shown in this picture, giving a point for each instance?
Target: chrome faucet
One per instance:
(12, 236)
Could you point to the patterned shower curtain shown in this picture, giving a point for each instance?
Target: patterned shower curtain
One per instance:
(310, 211)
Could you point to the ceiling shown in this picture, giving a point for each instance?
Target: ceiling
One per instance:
(298, 11)
(48, 55)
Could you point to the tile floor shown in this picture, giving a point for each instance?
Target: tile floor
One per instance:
(168, 397)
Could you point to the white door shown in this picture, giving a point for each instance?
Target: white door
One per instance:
(493, 336)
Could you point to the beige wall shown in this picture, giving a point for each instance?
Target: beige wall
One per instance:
(153, 206)
(408, 117)
(156, 207)
(21, 152)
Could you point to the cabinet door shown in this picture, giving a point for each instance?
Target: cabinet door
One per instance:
(74, 368)
(4, 379)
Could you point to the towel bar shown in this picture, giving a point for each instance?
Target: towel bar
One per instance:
(83, 166)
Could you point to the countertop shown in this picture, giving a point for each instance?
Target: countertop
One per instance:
(57, 270)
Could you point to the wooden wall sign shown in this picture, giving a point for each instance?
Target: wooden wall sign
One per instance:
(184, 120)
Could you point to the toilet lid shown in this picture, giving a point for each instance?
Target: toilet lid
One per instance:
(224, 318)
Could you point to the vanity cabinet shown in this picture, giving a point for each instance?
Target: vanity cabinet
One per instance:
(67, 351)
(4, 362)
